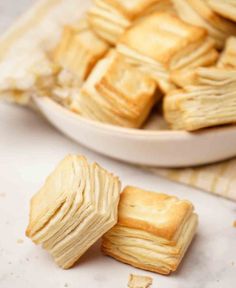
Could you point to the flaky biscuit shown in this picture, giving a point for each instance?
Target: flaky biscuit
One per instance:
(208, 101)
(153, 232)
(75, 207)
(75, 53)
(174, 45)
(116, 93)
(168, 36)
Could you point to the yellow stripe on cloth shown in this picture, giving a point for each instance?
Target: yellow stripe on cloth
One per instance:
(219, 178)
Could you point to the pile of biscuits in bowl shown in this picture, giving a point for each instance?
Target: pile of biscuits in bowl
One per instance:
(122, 59)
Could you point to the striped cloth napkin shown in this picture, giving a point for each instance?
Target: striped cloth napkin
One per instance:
(219, 179)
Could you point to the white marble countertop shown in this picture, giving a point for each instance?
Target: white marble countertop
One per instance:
(30, 148)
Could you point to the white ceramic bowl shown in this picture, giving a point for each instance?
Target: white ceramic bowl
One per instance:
(161, 148)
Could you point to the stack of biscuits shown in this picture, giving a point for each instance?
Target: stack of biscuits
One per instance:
(124, 61)
(78, 204)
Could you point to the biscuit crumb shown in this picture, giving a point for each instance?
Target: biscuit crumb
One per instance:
(20, 241)
(2, 194)
(66, 285)
(234, 224)
(136, 281)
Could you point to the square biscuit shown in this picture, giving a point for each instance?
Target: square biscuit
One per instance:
(116, 93)
(75, 207)
(153, 232)
(195, 107)
(123, 79)
(74, 51)
(166, 34)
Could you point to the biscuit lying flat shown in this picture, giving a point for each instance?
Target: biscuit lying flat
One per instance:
(24, 46)
(198, 12)
(173, 45)
(136, 281)
(153, 231)
(228, 57)
(226, 8)
(75, 207)
(111, 18)
(116, 93)
(208, 101)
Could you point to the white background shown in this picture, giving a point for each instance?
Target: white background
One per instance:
(29, 150)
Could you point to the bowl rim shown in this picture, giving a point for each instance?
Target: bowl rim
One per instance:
(108, 128)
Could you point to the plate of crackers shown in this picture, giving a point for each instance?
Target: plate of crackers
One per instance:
(149, 82)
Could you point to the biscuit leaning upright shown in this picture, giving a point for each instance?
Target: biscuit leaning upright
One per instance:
(74, 208)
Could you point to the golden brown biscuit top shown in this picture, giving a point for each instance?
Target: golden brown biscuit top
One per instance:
(156, 213)
(126, 80)
(165, 34)
(131, 8)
